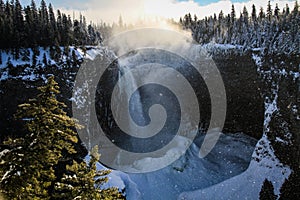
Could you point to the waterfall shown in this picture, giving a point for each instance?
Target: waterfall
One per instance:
(125, 88)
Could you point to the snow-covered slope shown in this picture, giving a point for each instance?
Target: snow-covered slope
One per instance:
(264, 165)
(28, 71)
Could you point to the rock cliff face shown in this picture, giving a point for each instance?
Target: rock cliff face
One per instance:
(252, 81)
(245, 108)
(282, 83)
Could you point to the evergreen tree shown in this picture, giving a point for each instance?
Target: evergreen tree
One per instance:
(253, 14)
(52, 23)
(93, 38)
(45, 59)
(29, 26)
(66, 31)
(267, 191)
(59, 33)
(221, 16)
(261, 14)
(276, 11)
(296, 9)
(180, 21)
(30, 165)
(2, 21)
(287, 10)
(34, 58)
(32, 27)
(269, 11)
(188, 20)
(195, 18)
(81, 180)
(278, 34)
(74, 57)
(232, 15)
(44, 25)
(79, 34)
(245, 16)
(18, 24)
(2, 7)
(8, 26)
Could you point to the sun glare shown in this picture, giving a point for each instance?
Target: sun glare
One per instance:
(159, 8)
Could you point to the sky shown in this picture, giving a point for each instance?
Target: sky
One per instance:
(134, 10)
(68, 3)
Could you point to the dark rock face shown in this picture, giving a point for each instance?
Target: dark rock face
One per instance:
(282, 85)
(285, 123)
(242, 83)
(245, 104)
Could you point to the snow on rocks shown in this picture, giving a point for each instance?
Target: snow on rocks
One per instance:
(32, 73)
(264, 165)
(248, 184)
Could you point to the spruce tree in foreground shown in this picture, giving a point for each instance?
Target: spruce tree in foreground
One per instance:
(83, 181)
(28, 167)
(30, 163)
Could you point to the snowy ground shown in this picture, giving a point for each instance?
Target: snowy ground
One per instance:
(26, 58)
(248, 184)
(230, 157)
